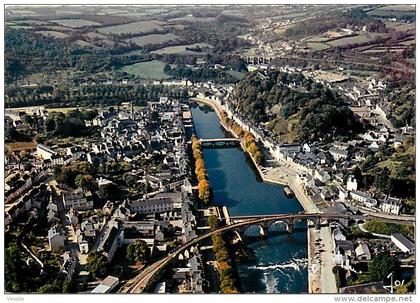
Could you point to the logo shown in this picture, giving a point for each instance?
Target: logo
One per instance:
(393, 284)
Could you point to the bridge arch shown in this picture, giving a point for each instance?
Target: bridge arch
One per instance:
(238, 235)
(278, 225)
(299, 222)
(250, 230)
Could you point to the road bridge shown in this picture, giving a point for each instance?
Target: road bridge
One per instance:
(220, 142)
(239, 224)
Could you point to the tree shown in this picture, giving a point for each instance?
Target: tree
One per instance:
(49, 125)
(383, 180)
(357, 173)
(213, 221)
(12, 135)
(49, 288)
(84, 181)
(138, 251)
(97, 265)
(167, 69)
(204, 191)
(14, 269)
(381, 266)
(111, 110)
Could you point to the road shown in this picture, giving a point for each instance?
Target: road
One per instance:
(328, 284)
(399, 219)
(71, 237)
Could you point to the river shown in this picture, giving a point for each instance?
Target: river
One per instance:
(277, 263)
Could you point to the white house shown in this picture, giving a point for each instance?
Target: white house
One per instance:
(290, 148)
(44, 151)
(152, 205)
(403, 243)
(75, 151)
(391, 205)
(84, 247)
(342, 193)
(364, 198)
(351, 183)
(362, 251)
(55, 240)
(110, 240)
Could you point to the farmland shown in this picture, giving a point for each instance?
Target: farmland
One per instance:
(236, 74)
(30, 22)
(140, 27)
(75, 23)
(317, 45)
(399, 7)
(321, 43)
(398, 11)
(400, 26)
(154, 39)
(192, 19)
(147, 70)
(84, 44)
(349, 40)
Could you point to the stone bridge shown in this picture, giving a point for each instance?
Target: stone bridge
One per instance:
(220, 142)
(265, 222)
(238, 224)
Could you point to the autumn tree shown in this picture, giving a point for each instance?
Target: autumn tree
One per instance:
(204, 191)
(138, 251)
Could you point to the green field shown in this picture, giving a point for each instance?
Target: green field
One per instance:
(349, 40)
(30, 22)
(400, 26)
(408, 42)
(399, 7)
(75, 23)
(140, 27)
(193, 19)
(53, 34)
(236, 74)
(380, 227)
(317, 45)
(20, 26)
(154, 39)
(147, 70)
(386, 13)
(57, 28)
(84, 44)
(94, 35)
(181, 49)
(317, 38)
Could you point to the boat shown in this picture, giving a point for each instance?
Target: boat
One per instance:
(288, 192)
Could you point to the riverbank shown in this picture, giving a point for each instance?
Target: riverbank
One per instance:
(320, 276)
(284, 176)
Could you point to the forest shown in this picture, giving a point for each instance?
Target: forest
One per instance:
(319, 25)
(292, 103)
(94, 95)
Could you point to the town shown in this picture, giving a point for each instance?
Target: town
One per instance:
(113, 191)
